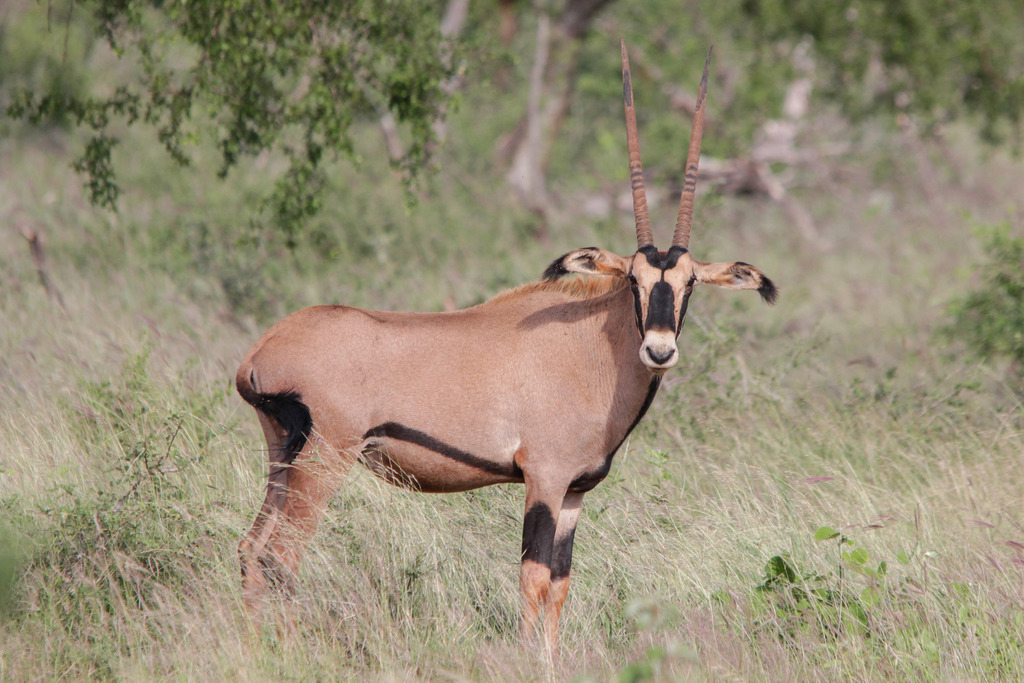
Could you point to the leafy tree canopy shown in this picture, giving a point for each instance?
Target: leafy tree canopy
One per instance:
(295, 76)
(287, 75)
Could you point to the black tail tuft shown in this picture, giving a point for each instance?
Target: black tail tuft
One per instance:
(290, 412)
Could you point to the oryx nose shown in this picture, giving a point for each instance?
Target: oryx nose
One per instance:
(659, 357)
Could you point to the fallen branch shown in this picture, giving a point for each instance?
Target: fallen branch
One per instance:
(35, 246)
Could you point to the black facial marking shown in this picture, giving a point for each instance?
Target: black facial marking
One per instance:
(399, 432)
(683, 307)
(651, 252)
(660, 308)
(637, 307)
(588, 480)
(538, 534)
(561, 561)
(663, 260)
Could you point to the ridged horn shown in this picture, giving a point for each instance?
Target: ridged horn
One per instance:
(681, 237)
(644, 236)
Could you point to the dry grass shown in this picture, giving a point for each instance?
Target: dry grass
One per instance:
(129, 469)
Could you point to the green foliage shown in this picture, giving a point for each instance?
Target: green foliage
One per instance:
(12, 560)
(290, 77)
(828, 604)
(990, 319)
(296, 78)
(933, 58)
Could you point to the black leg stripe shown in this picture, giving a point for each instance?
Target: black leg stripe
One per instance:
(399, 432)
(561, 563)
(538, 534)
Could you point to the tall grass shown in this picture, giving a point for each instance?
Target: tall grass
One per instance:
(129, 469)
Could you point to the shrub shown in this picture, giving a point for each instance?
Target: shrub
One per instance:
(990, 319)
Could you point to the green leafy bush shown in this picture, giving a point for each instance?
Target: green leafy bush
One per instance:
(990, 319)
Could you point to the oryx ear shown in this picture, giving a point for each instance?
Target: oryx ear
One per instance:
(736, 275)
(589, 261)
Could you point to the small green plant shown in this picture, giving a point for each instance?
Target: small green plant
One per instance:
(828, 603)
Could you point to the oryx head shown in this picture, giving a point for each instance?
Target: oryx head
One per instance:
(662, 281)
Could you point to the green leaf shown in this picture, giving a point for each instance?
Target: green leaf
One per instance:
(722, 597)
(870, 596)
(779, 567)
(825, 533)
(858, 557)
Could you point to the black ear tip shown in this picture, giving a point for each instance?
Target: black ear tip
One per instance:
(555, 270)
(768, 291)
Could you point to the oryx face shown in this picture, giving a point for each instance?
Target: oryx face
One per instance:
(661, 282)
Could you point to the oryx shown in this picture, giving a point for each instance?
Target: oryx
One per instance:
(539, 385)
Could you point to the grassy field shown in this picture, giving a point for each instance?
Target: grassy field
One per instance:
(129, 468)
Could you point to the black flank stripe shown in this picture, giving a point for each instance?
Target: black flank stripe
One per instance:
(399, 432)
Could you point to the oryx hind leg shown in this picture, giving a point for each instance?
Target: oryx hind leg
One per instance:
(314, 477)
(304, 474)
(257, 568)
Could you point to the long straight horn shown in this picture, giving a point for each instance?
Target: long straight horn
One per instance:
(681, 237)
(644, 236)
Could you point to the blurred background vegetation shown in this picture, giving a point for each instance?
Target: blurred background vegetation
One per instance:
(176, 176)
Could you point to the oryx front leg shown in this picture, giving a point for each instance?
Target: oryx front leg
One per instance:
(561, 564)
(547, 548)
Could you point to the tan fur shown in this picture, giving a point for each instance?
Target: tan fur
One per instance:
(542, 382)
(581, 287)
